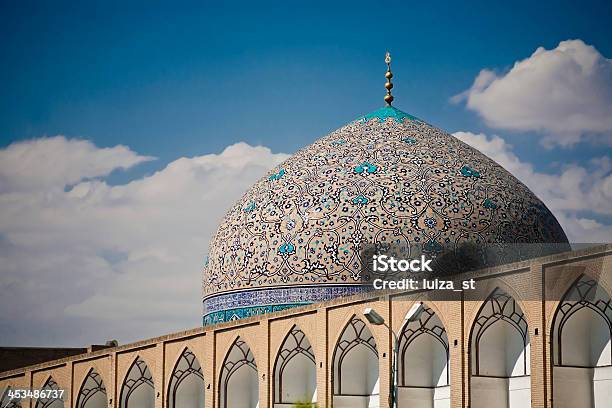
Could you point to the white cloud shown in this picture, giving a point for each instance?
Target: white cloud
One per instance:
(99, 261)
(585, 230)
(565, 93)
(574, 190)
(55, 162)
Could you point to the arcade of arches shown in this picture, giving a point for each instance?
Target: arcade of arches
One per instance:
(499, 346)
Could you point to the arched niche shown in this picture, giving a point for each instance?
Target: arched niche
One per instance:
(295, 371)
(239, 383)
(423, 363)
(500, 355)
(582, 347)
(138, 389)
(93, 392)
(7, 402)
(54, 398)
(186, 387)
(355, 367)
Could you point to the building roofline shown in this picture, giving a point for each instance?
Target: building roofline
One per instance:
(545, 261)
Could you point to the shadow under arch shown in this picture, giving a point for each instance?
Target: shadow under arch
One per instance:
(138, 388)
(295, 370)
(581, 346)
(239, 382)
(499, 354)
(423, 361)
(53, 397)
(186, 385)
(92, 393)
(355, 370)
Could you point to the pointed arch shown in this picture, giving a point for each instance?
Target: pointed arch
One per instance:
(429, 324)
(499, 307)
(500, 354)
(355, 372)
(54, 399)
(93, 392)
(8, 402)
(295, 370)
(581, 342)
(138, 389)
(584, 294)
(186, 387)
(423, 360)
(239, 382)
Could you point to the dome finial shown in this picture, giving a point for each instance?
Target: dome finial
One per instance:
(388, 75)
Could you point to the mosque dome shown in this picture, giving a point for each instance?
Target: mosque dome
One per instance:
(294, 238)
(386, 178)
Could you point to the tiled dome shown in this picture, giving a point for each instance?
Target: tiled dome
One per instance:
(295, 237)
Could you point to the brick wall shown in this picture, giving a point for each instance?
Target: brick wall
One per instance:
(323, 324)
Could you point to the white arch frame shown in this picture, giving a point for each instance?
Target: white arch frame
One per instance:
(295, 345)
(50, 401)
(137, 376)
(187, 368)
(356, 337)
(509, 384)
(92, 385)
(584, 377)
(6, 403)
(238, 358)
(430, 329)
(584, 293)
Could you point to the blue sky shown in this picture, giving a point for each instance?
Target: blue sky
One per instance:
(173, 81)
(126, 131)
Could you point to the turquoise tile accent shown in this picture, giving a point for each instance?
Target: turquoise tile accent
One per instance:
(360, 200)
(488, 203)
(467, 171)
(250, 207)
(366, 167)
(388, 112)
(277, 176)
(286, 249)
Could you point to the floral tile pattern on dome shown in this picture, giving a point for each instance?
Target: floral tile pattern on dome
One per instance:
(377, 181)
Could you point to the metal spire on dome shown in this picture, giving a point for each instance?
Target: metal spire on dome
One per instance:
(388, 75)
